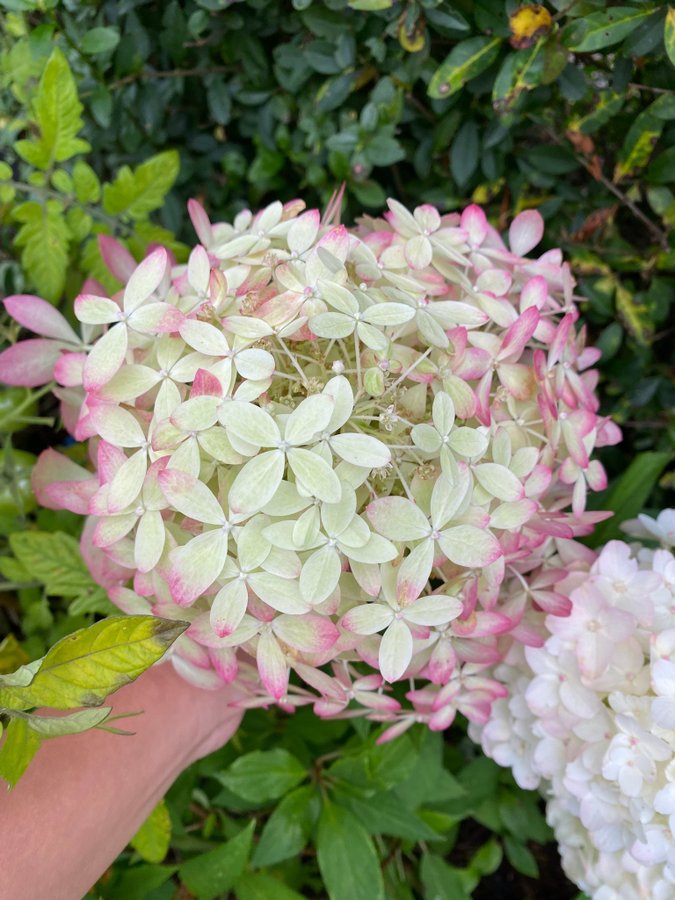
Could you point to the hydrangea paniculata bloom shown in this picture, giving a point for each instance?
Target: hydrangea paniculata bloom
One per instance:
(327, 448)
(590, 718)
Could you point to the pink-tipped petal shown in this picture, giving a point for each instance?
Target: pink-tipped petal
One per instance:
(30, 363)
(38, 316)
(119, 262)
(526, 230)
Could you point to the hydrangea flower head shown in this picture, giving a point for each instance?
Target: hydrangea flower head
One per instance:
(590, 719)
(326, 448)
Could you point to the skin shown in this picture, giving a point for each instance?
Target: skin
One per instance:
(85, 796)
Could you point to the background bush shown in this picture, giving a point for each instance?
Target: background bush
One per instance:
(112, 114)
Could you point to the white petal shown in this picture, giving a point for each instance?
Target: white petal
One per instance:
(314, 475)
(395, 650)
(361, 450)
(320, 575)
(256, 482)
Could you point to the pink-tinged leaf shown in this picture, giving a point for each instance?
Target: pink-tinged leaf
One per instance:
(303, 232)
(205, 384)
(499, 481)
(150, 538)
(119, 262)
(93, 310)
(69, 369)
(468, 546)
(418, 252)
(308, 633)
(369, 618)
(561, 339)
(128, 481)
(224, 661)
(519, 333)
(534, 293)
(117, 426)
(272, 665)
(29, 363)
(395, 651)
(473, 221)
(59, 483)
(200, 222)
(196, 565)
(482, 624)
(398, 519)
(442, 663)
(145, 279)
(205, 679)
(106, 357)
(191, 497)
(38, 316)
(526, 231)
(156, 318)
(199, 270)
(414, 572)
(228, 607)
(517, 379)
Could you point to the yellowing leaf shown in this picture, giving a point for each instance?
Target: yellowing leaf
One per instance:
(83, 668)
(412, 41)
(638, 144)
(528, 24)
(152, 839)
(635, 315)
(465, 61)
(57, 113)
(519, 72)
(669, 34)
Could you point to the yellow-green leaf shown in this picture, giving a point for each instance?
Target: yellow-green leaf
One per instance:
(465, 61)
(638, 144)
(606, 106)
(669, 34)
(137, 192)
(57, 113)
(86, 183)
(635, 315)
(83, 668)
(44, 237)
(152, 839)
(18, 748)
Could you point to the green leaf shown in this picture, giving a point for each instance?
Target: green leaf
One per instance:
(137, 192)
(464, 155)
(263, 775)
(18, 748)
(602, 29)
(139, 882)
(441, 881)
(263, 887)
(53, 558)
(73, 723)
(628, 495)
(86, 183)
(153, 838)
(83, 668)
(465, 61)
(662, 169)
(487, 859)
(99, 40)
(387, 814)
(669, 34)
(371, 5)
(44, 237)
(12, 654)
(521, 858)
(347, 859)
(57, 113)
(213, 874)
(287, 830)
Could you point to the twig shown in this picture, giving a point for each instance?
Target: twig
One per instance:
(170, 73)
(647, 87)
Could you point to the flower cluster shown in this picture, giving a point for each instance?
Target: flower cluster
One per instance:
(591, 719)
(327, 448)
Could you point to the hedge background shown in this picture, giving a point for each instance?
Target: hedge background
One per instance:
(566, 107)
